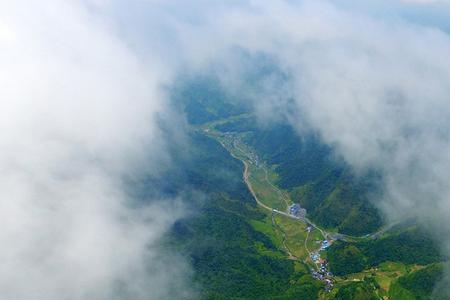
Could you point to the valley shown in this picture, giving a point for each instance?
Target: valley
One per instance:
(285, 218)
(300, 238)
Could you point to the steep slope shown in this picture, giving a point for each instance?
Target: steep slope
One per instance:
(234, 259)
(410, 246)
(230, 258)
(418, 285)
(318, 180)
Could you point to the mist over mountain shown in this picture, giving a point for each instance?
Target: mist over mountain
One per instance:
(154, 149)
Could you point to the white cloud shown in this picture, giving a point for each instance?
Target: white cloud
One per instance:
(375, 88)
(77, 113)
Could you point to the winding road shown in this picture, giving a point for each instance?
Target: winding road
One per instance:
(326, 235)
(250, 188)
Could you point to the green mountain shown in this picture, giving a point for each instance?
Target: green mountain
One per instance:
(418, 285)
(411, 246)
(315, 177)
(240, 248)
(361, 290)
(231, 259)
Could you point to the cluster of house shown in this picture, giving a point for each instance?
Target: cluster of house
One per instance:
(322, 273)
(297, 211)
(252, 156)
(325, 245)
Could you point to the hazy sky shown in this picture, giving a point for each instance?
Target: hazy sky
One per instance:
(83, 86)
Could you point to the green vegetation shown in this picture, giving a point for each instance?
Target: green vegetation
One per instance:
(231, 245)
(345, 259)
(294, 237)
(264, 191)
(204, 100)
(239, 250)
(361, 290)
(413, 246)
(381, 277)
(240, 125)
(418, 285)
(296, 234)
(306, 167)
(299, 160)
(266, 227)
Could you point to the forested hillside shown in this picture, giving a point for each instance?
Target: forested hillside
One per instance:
(411, 246)
(316, 178)
(418, 285)
(230, 258)
(236, 252)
